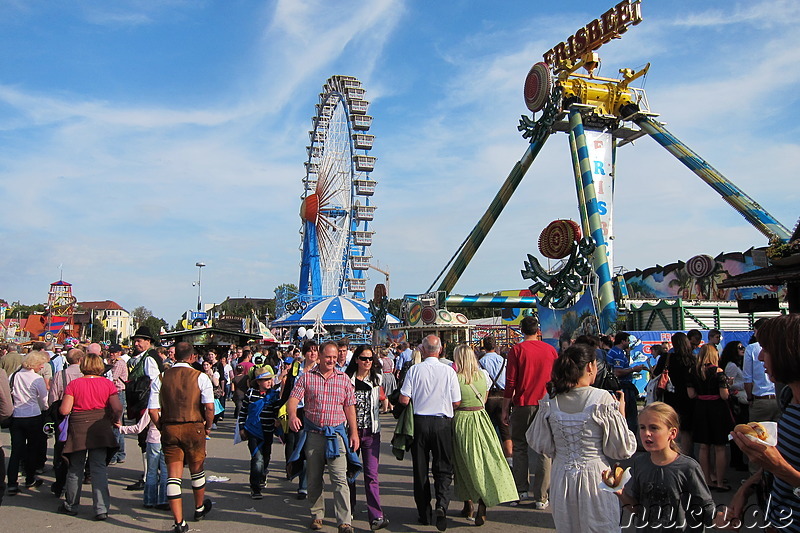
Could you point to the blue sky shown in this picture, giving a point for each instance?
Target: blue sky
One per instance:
(137, 138)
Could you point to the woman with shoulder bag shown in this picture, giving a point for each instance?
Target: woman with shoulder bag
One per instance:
(366, 375)
(93, 405)
(481, 471)
(731, 362)
(29, 395)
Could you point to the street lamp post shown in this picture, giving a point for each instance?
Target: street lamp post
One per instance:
(199, 266)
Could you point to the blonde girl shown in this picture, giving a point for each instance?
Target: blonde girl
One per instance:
(482, 474)
(712, 422)
(667, 489)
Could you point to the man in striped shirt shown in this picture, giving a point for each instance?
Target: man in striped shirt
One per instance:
(329, 400)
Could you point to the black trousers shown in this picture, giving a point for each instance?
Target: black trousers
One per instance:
(631, 394)
(26, 445)
(2, 474)
(60, 467)
(433, 439)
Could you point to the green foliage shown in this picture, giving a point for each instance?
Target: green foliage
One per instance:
(154, 324)
(97, 330)
(290, 287)
(394, 306)
(22, 311)
(140, 314)
(244, 308)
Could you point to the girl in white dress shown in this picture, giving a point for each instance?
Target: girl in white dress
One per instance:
(583, 430)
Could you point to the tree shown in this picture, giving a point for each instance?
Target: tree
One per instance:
(19, 310)
(154, 324)
(140, 314)
(97, 330)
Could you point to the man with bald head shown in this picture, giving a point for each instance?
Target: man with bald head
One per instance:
(433, 388)
(56, 393)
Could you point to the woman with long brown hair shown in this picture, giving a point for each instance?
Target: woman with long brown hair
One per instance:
(582, 429)
(679, 362)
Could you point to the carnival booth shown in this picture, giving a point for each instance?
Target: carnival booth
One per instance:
(333, 318)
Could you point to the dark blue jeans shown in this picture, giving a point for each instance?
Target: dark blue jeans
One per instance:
(260, 455)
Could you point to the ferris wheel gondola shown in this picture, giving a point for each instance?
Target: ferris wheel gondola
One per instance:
(336, 210)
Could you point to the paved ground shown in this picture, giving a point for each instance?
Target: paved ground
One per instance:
(34, 510)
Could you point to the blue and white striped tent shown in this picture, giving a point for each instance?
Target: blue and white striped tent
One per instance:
(333, 311)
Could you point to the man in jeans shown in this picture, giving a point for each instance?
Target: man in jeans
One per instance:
(329, 399)
(620, 361)
(119, 375)
(495, 365)
(529, 365)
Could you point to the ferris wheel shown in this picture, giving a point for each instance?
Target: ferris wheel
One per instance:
(336, 211)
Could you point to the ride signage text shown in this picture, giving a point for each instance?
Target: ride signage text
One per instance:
(610, 25)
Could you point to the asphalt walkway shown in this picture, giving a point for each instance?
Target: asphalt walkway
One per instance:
(34, 509)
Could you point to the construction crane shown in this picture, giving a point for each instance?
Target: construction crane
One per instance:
(385, 273)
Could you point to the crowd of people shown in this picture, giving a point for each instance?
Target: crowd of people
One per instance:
(486, 427)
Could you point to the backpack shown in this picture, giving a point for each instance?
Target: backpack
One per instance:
(137, 388)
(605, 378)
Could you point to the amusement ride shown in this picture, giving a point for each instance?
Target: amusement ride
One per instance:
(336, 204)
(599, 115)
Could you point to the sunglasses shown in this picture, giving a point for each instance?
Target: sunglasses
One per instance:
(364, 358)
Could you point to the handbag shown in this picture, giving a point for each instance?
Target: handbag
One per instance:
(63, 430)
(218, 408)
(6, 422)
(664, 383)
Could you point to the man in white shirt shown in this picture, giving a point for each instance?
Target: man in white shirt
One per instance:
(181, 406)
(433, 388)
(495, 365)
(760, 390)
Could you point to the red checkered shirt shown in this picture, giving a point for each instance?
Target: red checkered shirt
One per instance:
(325, 398)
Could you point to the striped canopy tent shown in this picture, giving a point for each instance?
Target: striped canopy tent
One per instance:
(334, 311)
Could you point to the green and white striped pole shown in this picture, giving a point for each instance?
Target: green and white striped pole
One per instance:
(607, 305)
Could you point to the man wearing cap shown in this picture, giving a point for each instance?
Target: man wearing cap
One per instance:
(257, 425)
(329, 415)
(182, 408)
(143, 368)
(118, 375)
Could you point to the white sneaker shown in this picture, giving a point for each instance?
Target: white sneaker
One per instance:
(542, 505)
(522, 496)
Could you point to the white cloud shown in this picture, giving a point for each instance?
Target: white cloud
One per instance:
(764, 14)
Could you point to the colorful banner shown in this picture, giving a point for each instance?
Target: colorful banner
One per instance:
(643, 341)
(675, 280)
(580, 319)
(600, 144)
